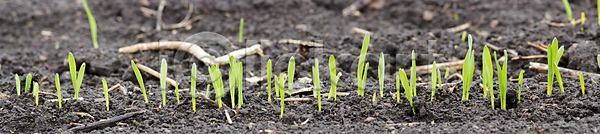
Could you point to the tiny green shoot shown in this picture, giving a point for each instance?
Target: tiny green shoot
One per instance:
(36, 91)
(139, 78)
(269, 79)
(291, 70)
(207, 90)
(488, 74)
(381, 73)
(18, 84)
(434, 77)
(361, 61)
(568, 10)
(76, 80)
(598, 56)
(163, 80)
(28, 82)
(464, 36)
(241, 34)
(105, 92)
(447, 73)
(468, 68)
(502, 72)
(239, 81)
(279, 85)
(407, 88)
(316, 82)
(177, 91)
(398, 88)
(193, 87)
(232, 78)
(582, 18)
(216, 77)
(520, 85)
(92, 21)
(413, 75)
(582, 83)
(57, 82)
(374, 97)
(334, 78)
(554, 55)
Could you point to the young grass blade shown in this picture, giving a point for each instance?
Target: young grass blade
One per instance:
(582, 18)
(439, 78)
(79, 80)
(163, 80)
(278, 85)
(105, 92)
(28, 82)
(18, 84)
(72, 67)
(599, 54)
(381, 73)
(361, 62)
(333, 90)
(232, 79)
(464, 36)
(92, 21)
(239, 76)
(520, 85)
(407, 88)
(413, 75)
(582, 83)
(315, 73)
(140, 80)
(488, 72)
(397, 88)
(269, 79)
(433, 80)
(193, 87)
(36, 91)
(291, 70)
(207, 90)
(241, 34)
(57, 82)
(364, 80)
(558, 77)
(177, 91)
(568, 10)
(447, 73)
(468, 68)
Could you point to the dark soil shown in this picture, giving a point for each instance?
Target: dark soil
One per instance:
(395, 30)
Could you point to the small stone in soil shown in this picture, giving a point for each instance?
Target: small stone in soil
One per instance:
(369, 119)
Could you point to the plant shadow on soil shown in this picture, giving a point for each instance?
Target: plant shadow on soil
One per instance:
(396, 29)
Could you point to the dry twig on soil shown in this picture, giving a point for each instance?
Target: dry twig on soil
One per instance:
(459, 28)
(530, 57)
(496, 48)
(295, 99)
(105, 123)
(426, 69)
(543, 68)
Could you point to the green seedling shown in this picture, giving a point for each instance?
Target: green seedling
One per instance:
(105, 92)
(139, 78)
(407, 88)
(374, 97)
(193, 87)
(381, 73)
(568, 10)
(582, 83)
(502, 72)
(455, 16)
(36, 91)
(468, 68)
(207, 90)
(163, 80)
(177, 91)
(291, 70)
(447, 73)
(582, 18)
(216, 77)
(464, 36)
(57, 82)
(413, 75)
(28, 82)
(488, 74)
(598, 56)
(554, 55)
(92, 21)
(316, 82)
(232, 78)
(360, 75)
(334, 78)
(439, 78)
(398, 88)
(269, 79)
(279, 85)
(18, 84)
(76, 80)
(241, 34)
(239, 76)
(434, 74)
(520, 85)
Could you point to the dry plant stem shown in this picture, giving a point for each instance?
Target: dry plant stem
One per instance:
(172, 82)
(228, 118)
(578, 21)
(426, 69)
(359, 30)
(496, 48)
(192, 49)
(353, 8)
(161, 6)
(530, 57)
(407, 124)
(105, 123)
(455, 75)
(543, 68)
(46, 93)
(295, 99)
(114, 87)
(299, 42)
(82, 114)
(459, 28)
(537, 46)
(326, 95)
